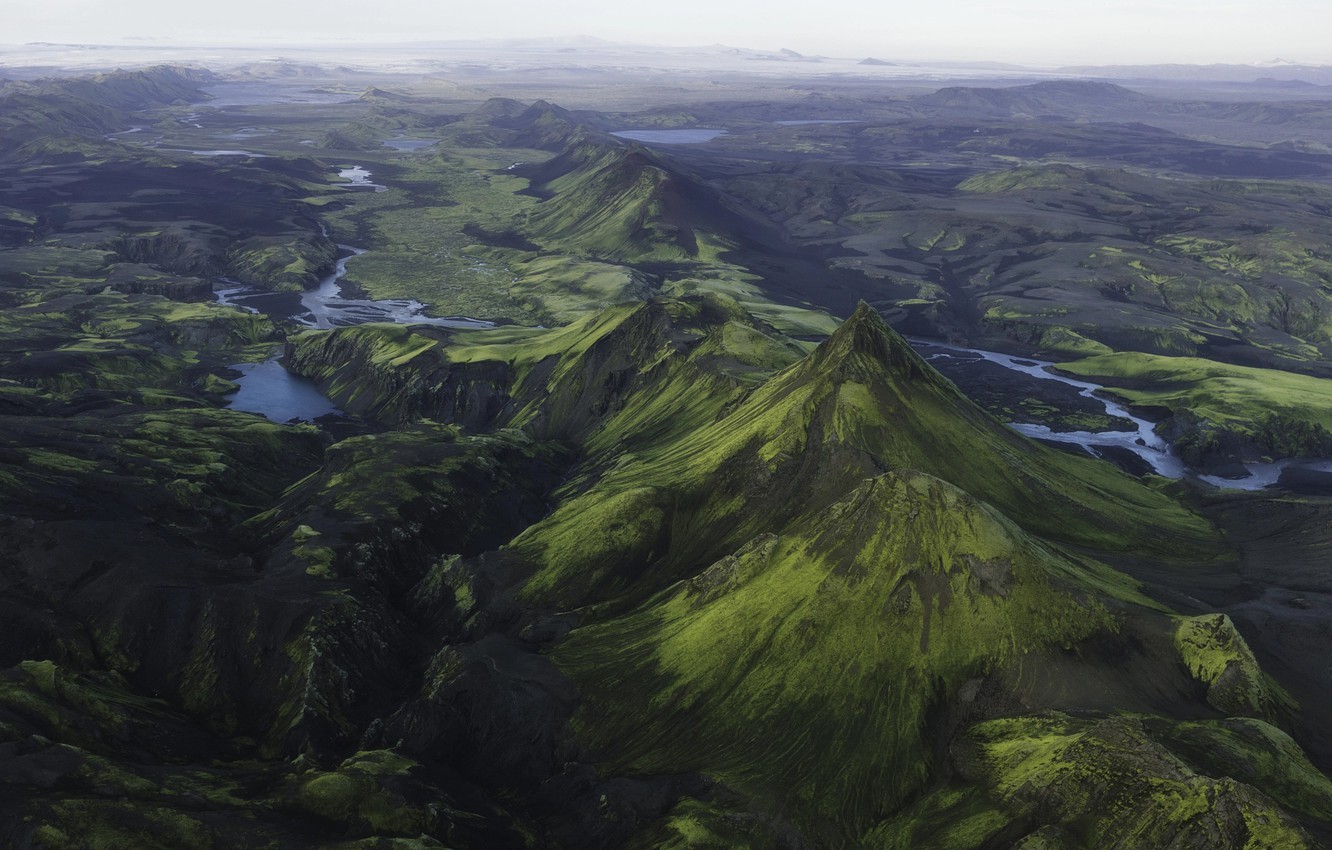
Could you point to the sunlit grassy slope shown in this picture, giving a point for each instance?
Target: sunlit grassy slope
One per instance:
(1218, 391)
(785, 598)
(863, 403)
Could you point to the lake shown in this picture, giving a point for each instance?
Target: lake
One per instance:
(695, 136)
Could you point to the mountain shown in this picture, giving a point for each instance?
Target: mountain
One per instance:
(1321, 74)
(1052, 97)
(89, 107)
(544, 126)
(504, 122)
(656, 573)
(631, 203)
(861, 404)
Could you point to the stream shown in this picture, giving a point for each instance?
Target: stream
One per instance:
(1141, 440)
(268, 388)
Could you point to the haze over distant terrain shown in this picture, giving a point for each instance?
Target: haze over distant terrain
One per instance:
(1033, 31)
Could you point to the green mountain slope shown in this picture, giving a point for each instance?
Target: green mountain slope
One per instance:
(88, 107)
(658, 574)
(804, 666)
(802, 607)
(862, 404)
(629, 204)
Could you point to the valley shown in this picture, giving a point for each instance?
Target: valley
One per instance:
(659, 490)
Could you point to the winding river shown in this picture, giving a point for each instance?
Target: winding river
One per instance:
(271, 390)
(268, 388)
(1142, 439)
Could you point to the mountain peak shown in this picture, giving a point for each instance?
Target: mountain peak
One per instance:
(499, 107)
(865, 347)
(636, 155)
(542, 108)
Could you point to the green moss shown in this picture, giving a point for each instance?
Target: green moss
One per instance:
(862, 402)
(77, 709)
(360, 794)
(1256, 753)
(303, 533)
(331, 795)
(1113, 784)
(951, 818)
(1065, 342)
(1024, 179)
(697, 824)
(110, 825)
(628, 526)
(841, 632)
(319, 560)
(1218, 392)
(1218, 657)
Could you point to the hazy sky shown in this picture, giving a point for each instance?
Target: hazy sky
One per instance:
(1039, 31)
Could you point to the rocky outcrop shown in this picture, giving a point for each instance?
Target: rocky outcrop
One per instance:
(281, 262)
(393, 374)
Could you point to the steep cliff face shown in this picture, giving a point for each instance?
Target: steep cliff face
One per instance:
(398, 375)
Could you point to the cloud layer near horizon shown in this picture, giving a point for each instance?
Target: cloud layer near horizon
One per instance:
(1033, 31)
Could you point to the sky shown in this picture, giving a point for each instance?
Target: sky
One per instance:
(1024, 31)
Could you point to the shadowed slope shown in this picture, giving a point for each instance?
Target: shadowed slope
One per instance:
(809, 598)
(632, 204)
(863, 403)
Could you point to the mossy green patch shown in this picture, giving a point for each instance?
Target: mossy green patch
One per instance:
(1114, 784)
(863, 402)
(842, 632)
(1218, 657)
(1219, 392)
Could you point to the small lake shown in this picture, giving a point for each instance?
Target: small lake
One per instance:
(802, 121)
(270, 390)
(408, 144)
(229, 153)
(671, 137)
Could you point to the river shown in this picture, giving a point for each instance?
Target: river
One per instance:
(271, 390)
(1141, 439)
(268, 388)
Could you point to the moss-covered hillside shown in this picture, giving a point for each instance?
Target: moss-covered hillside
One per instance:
(666, 556)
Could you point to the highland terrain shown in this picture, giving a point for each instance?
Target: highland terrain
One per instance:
(662, 504)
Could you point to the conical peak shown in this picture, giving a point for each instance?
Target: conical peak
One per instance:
(497, 107)
(544, 107)
(636, 161)
(638, 156)
(866, 332)
(865, 347)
